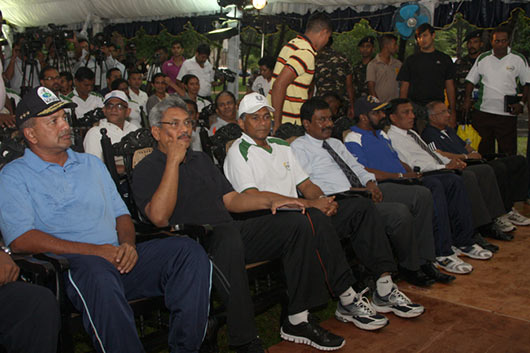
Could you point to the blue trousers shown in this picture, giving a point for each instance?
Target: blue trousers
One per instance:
(175, 267)
(452, 221)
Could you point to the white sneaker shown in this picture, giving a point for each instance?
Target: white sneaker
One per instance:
(516, 218)
(504, 224)
(474, 251)
(453, 264)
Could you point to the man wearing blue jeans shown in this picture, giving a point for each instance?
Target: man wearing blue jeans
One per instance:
(56, 200)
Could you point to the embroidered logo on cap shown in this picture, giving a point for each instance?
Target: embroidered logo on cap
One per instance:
(259, 97)
(46, 95)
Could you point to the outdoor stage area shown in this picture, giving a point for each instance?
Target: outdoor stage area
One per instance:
(486, 311)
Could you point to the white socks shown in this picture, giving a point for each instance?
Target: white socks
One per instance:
(384, 285)
(347, 297)
(297, 319)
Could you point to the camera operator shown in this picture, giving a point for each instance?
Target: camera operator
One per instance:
(155, 64)
(27, 54)
(115, 54)
(203, 69)
(83, 94)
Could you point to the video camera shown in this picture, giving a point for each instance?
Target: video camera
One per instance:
(90, 118)
(227, 74)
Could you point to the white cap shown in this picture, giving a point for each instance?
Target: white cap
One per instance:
(116, 94)
(251, 103)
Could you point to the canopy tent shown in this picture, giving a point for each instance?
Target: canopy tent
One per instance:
(33, 13)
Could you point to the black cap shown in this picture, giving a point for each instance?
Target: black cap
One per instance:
(37, 102)
(367, 39)
(366, 104)
(473, 34)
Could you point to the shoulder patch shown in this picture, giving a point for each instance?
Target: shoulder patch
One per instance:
(278, 141)
(96, 94)
(243, 149)
(70, 95)
(354, 137)
(514, 52)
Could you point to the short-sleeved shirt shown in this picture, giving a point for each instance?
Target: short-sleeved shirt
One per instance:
(172, 71)
(446, 140)
(497, 78)
(93, 101)
(384, 76)
(426, 74)
(299, 56)
(92, 141)
(249, 166)
(261, 85)
(140, 98)
(373, 151)
(200, 191)
(76, 202)
(322, 168)
(331, 70)
(205, 75)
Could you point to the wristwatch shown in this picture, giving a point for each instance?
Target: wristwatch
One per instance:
(6, 249)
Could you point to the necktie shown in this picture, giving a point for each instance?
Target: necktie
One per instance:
(424, 147)
(352, 178)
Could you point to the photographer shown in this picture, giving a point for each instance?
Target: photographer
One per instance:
(25, 53)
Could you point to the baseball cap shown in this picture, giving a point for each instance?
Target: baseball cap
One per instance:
(251, 103)
(367, 39)
(116, 94)
(366, 104)
(473, 34)
(38, 102)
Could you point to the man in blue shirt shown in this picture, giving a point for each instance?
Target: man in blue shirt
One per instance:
(56, 200)
(370, 144)
(511, 172)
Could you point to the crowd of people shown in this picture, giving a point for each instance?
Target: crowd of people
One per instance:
(382, 128)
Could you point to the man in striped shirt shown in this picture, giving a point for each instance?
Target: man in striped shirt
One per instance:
(295, 68)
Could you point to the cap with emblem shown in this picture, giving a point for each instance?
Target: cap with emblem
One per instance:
(37, 102)
(253, 102)
(367, 39)
(116, 94)
(366, 104)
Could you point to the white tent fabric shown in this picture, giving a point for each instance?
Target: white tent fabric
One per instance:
(31, 13)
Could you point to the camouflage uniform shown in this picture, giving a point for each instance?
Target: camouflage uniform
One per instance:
(331, 69)
(463, 65)
(359, 80)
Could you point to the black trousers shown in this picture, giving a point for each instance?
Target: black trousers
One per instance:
(512, 178)
(501, 128)
(452, 221)
(290, 236)
(29, 318)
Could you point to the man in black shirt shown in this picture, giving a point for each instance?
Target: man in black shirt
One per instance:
(177, 185)
(425, 75)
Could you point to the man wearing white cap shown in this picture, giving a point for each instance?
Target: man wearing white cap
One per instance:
(116, 110)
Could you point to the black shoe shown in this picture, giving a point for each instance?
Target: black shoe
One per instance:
(479, 239)
(417, 278)
(312, 334)
(253, 346)
(430, 270)
(492, 231)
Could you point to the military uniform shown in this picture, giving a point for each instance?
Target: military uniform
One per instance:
(359, 80)
(331, 69)
(463, 65)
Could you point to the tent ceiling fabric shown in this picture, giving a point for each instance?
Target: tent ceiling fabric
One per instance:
(31, 13)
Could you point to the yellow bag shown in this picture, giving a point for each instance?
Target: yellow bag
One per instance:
(468, 133)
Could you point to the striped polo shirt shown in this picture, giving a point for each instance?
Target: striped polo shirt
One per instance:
(299, 56)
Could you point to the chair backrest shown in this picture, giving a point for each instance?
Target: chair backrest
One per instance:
(139, 155)
(12, 146)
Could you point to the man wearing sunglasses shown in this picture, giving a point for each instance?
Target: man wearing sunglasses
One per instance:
(116, 110)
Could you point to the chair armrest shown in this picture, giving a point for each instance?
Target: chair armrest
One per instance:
(352, 193)
(34, 270)
(442, 171)
(492, 156)
(403, 181)
(474, 161)
(60, 263)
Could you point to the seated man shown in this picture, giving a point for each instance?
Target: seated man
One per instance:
(83, 94)
(56, 200)
(135, 116)
(486, 202)
(452, 215)
(225, 107)
(511, 171)
(260, 165)
(29, 314)
(175, 184)
(328, 163)
(116, 110)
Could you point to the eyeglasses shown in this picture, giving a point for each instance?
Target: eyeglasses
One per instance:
(118, 106)
(50, 78)
(176, 123)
